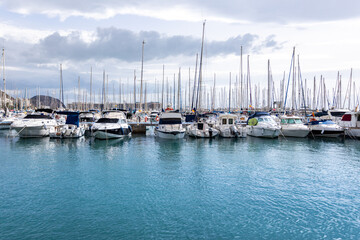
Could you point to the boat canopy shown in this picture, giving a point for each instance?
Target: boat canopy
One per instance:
(257, 114)
(72, 119)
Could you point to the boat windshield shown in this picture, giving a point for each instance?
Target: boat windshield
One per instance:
(265, 119)
(170, 121)
(108, 120)
(36, 116)
(87, 119)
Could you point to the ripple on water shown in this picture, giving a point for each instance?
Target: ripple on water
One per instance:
(143, 187)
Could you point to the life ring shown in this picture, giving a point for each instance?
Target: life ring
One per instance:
(146, 118)
(157, 118)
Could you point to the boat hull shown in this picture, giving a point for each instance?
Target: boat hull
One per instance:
(299, 133)
(32, 132)
(263, 132)
(352, 132)
(326, 133)
(5, 126)
(109, 134)
(227, 133)
(170, 134)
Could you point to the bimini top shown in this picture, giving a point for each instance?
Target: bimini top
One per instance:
(257, 114)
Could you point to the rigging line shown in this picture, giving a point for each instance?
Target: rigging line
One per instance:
(287, 88)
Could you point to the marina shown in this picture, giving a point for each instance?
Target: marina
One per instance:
(179, 120)
(146, 187)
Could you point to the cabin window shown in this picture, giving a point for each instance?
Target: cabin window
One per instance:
(358, 118)
(283, 121)
(200, 126)
(347, 118)
(298, 121)
(260, 120)
(231, 121)
(224, 121)
(291, 121)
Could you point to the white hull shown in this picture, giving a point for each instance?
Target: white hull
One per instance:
(67, 132)
(106, 135)
(204, 131)
(300, 133)
(263, 132)
(31, 132)
(326, 131)
(203, 134)
(170, 134)
(226, 132)
(352, 132)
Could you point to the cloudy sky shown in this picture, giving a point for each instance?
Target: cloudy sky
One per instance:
(107, 35)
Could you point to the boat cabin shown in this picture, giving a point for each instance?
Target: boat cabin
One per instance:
(350, 119)
(227, 119)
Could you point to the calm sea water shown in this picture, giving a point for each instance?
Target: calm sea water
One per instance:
(143, 188)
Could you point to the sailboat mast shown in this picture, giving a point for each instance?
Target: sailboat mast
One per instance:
(141, 76)
(4, 81)
(241, 78)
(134, 90)
(91, 107)
(193, 96)
(162, 90)
(189, 91)
(179, 89)
(230, 92)
(269, 87)
(200, 68)
(103, 93)
(213, 95)
(61, 84)
(350, 83)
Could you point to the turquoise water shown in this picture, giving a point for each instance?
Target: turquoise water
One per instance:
(143, 188)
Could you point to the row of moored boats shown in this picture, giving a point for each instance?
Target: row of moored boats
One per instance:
(172, 125)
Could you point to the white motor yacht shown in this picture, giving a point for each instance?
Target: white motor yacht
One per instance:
(170, 126)
(201, 129)
(113, 124)
(292, 126)
(35, 125)
(228, 128)
(261, 124)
